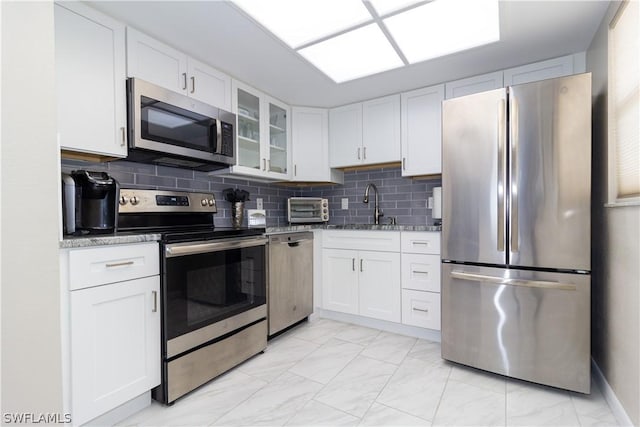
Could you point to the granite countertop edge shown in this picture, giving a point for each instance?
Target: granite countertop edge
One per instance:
(294, 228)
(105, 240)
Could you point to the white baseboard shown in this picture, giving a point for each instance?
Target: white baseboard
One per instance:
(611, 398)
(122, 412)
(396, 328)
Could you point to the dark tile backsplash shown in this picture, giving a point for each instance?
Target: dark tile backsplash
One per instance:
(402, 198)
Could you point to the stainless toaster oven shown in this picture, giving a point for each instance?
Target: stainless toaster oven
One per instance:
(302, 210)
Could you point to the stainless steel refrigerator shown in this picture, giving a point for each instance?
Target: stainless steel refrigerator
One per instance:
(516, 238)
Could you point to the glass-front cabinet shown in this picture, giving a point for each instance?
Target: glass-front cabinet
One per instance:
(263, 134)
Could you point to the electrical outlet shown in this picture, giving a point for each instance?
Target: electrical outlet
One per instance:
(259, 204)
(430, 203)
(345, 203)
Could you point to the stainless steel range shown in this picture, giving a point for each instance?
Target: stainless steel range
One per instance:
(213, 286)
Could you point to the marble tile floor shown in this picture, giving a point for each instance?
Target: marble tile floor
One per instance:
(333, 374)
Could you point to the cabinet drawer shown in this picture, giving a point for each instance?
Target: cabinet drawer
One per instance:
(421, 242)
(421, 272)
(421, 309)
(387, 241)
(110, 264)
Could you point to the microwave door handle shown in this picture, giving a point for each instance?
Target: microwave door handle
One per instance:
(218, 142)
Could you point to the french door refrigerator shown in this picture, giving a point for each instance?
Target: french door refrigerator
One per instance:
(516, 240)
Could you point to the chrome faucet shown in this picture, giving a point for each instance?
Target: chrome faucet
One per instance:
(377, 213)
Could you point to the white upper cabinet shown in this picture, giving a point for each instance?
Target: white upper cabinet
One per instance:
(90, 62)
(345, 136)
(263, 135)
(474, 84)
(381, 130)
(365, 133)
(157, 63)
(421, 121)
(557, 67)
(310, 146)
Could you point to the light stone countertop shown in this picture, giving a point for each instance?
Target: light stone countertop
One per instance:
(93, 240)
(107, 239)
(381, 227)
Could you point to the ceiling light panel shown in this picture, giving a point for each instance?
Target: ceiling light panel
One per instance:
(298, 22)
(384, 7)
(443, 27)
(355, 54)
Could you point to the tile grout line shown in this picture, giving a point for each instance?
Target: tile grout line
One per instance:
(446, 384)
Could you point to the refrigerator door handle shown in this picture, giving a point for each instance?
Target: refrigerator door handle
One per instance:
(512, 282)
(513, 176)
(501, 173)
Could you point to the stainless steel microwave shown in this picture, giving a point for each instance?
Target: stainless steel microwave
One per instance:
(172, 129)
(307, 210)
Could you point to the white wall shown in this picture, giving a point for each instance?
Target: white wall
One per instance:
(31, 361)
(616, 256)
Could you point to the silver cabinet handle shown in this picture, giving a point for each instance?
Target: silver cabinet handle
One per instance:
(353, 264)
(364, 153)
(512, 282)
(404, 163)
(193, 84)
(421, 243)
(119, 264)
(358, 153)
(264, 164)
(419, 272)
(124, 137)
(513, 175)
(361, 270)
(184, 81)
(420, 309)
(295, 170)
(155, 301)
(501, 174)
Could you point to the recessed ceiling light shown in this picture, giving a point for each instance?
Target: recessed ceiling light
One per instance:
(297, 22)
(355, 54)
(384, 7)
(443, 27)
(349, 39)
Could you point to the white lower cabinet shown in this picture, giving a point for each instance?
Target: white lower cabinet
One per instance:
(114, 327)
(421, 309)
(358, 281)
(421, 279)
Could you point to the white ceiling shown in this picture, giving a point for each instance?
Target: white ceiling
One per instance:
(220, 34)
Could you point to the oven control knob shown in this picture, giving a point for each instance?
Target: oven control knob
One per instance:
(123, 200)
(134, 200)
(203, 202)
(211, 202)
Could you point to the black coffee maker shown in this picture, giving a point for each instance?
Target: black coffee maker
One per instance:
(96, 204)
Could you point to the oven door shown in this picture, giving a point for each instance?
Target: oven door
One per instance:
(212, 288)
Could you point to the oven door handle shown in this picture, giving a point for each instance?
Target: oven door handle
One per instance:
(183, 249)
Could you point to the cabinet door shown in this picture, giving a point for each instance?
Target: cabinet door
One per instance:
(156, 62)
(310, 140)
(115, 345)
(247, 107)
(345, 136)
(474, 84)
(381, 130)
(340, 280)
(208, 85)
(557, 67)
(278, 137)
(90, 68)
(422, 131)
(379, 284)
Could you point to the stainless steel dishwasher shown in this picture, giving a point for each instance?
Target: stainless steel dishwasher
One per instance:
(290, 279)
